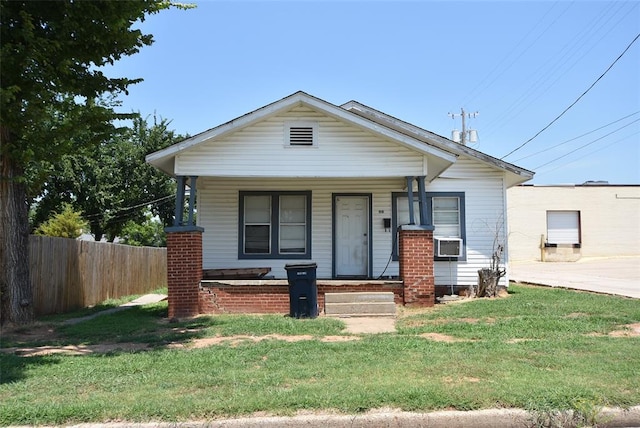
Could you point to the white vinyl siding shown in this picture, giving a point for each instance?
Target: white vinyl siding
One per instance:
(340, 150)
(563, 227)
(484, 207)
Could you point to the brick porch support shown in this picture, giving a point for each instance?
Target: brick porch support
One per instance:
(416, 265)
(184, 270)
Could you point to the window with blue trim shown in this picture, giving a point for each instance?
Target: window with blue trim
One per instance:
(445, 211)
(274, 225)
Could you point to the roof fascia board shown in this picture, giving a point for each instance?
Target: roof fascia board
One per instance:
(379, 129)
(228, 127)
(420, 133)
(300, 98)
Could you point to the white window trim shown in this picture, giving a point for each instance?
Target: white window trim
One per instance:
(301, 124)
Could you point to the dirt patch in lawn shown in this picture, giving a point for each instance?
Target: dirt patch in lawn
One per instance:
(439, 337)
(104, 348)
(239, 339)
(629, 330)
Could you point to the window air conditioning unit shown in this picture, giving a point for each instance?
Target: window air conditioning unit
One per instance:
(448, 247)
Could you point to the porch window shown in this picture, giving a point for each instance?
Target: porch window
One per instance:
(445, 211)
(275, 225)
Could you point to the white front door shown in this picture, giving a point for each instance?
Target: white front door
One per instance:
(352, 240)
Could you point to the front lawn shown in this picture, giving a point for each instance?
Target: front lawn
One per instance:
(540, 349)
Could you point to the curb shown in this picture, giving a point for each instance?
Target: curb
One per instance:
(490, 418)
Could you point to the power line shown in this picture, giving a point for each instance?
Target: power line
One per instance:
(585, 155)
(125, 209)
(558, 66)
(575, 102)
(587, 144)
(483, 85)
(575, 138)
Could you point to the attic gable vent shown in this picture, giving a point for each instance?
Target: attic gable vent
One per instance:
(301, 134)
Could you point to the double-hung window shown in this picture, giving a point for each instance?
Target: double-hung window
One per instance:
(275, 225)
(445, 211)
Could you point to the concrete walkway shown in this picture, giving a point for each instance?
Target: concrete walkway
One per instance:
(142, 300)
(618, 276)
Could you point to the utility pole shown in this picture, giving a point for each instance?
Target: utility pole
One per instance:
(467, 134)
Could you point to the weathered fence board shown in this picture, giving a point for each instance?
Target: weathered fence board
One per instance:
(67, 274)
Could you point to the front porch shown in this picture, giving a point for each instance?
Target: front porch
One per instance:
(272, 295)
(190, 295)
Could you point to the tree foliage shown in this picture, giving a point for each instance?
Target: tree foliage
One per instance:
(111, 182)
(149, 233)
(66, 224)
(50, 62)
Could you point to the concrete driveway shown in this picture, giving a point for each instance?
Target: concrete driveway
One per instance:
(619, 276)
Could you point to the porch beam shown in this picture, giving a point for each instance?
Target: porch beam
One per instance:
(422, 200)
(412, 219)
(192, 199)
(177, 219)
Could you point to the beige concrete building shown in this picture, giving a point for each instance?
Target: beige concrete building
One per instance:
(569, 222)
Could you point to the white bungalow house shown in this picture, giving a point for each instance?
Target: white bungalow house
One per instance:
(304, 180)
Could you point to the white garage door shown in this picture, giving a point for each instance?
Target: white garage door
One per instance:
(563, 227)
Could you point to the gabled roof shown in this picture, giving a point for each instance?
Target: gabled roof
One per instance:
(515, 174)
(443, 152)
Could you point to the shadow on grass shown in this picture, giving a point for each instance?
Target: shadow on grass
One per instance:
(139, 324)
(14, 367)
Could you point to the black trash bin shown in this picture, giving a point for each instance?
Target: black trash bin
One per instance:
(303, 290)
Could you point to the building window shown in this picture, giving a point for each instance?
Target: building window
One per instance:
(301, 134)
(563, 227)
(275, 225)
(445, 211)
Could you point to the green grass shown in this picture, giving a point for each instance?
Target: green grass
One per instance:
(535, 349)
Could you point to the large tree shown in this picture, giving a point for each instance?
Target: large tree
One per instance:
(110, 182)
(52, 53)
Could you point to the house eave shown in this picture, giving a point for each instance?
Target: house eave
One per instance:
(165, 159)
(514, 174)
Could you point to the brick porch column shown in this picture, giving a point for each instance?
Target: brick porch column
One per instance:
(416, 265)
(184, 270)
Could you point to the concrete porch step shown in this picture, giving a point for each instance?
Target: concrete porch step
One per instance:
(361, 296)
(359, 304)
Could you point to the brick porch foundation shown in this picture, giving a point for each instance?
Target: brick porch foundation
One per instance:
(416, 265)
(184, 271)
(273, 296)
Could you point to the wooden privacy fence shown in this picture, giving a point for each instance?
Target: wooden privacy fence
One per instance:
(67, 274)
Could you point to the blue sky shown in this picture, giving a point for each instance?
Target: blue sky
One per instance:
(519, 64)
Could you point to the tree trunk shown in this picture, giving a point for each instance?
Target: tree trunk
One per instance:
(16, 294)
(487, 283)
